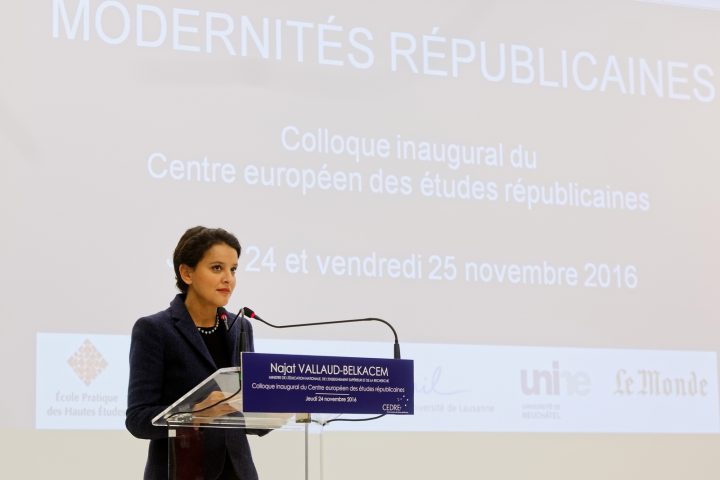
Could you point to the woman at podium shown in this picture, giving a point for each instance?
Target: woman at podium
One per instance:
(175, 349)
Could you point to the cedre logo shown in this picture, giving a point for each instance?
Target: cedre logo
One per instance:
(554, 382)
(391, 407)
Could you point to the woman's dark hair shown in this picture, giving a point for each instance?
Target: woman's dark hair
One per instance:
(193, 245)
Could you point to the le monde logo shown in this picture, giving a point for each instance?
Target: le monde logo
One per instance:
(653, 383)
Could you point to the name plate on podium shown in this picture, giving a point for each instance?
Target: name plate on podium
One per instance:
(325, 384)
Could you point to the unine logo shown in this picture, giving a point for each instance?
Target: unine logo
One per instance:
(554, 381)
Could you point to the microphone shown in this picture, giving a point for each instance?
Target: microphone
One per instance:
(243, 342)
(249, 312)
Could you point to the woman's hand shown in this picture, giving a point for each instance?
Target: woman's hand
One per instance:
(221, 409)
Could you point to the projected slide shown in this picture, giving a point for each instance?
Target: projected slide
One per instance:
(528, 194)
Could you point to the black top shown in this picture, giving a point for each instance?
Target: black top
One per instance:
(216, 344)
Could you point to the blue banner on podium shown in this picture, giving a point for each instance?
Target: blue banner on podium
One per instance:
(324, 384)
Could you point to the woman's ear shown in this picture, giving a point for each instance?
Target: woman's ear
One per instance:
(186, 273)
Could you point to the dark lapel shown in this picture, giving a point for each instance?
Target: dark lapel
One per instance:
(232, 336)
(188, 330)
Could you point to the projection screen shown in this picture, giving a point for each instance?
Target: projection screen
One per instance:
(526, 190)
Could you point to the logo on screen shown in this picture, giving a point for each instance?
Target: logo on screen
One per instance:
(87, 362)
(656, 383)
(554, 381)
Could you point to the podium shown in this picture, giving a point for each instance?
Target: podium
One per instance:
(276, 391)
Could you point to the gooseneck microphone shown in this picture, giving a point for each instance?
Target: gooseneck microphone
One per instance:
(243, 344)
(244, 347)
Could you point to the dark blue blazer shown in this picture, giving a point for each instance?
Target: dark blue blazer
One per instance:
(168, 357)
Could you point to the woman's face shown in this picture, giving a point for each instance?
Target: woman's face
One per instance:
(212, 280)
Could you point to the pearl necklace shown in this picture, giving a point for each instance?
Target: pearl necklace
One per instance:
(210, 331)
